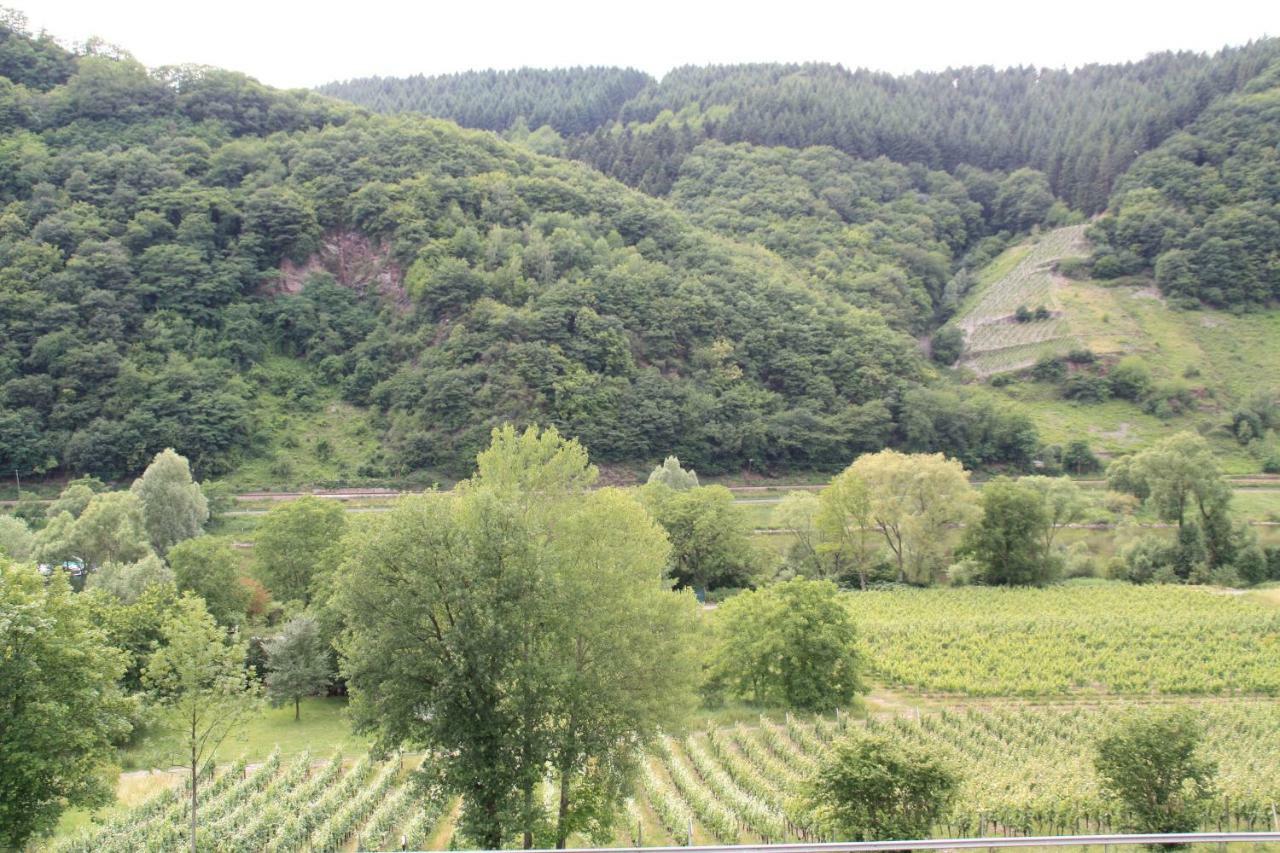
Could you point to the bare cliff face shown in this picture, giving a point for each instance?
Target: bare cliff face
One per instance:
(355, 262)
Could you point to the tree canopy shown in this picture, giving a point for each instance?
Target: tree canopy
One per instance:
(61, 707)
(523, 628)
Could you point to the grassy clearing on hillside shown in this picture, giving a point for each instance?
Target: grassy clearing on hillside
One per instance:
(1223, 357)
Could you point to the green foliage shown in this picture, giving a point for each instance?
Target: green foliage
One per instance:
(792, 643)
(208, 567)
(175, 253)
(1198, 208)
(671, 475)
(1152, 765)
(874, 788)
(1180, 479)
(202, 689)
(130, 581)
(293, 546)
(947, 345)
(298, 664)
(1079, 458)
(110, 529)
(174, 508)
(967, 427)
(571, 100)
(912, 501)
(1008, 539)
(515, 625)
(1130, 379)
(710, 535)
(16, 538)
(61, 709)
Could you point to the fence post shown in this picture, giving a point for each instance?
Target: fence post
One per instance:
(690, 840)
(1275, 822)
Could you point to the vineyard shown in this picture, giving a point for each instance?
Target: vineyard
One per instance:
(277, 806)
(994, 341)
(1025, 770)
(1088, 638)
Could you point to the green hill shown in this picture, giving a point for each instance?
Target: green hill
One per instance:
(191, 259)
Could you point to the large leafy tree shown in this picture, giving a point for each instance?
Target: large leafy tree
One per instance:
(519, 627)
(208, 567)
(621, 648)
(710, 535)
(1008, 538)
(1180, 479)
(913, 502)
(61, 708)
(110, 529)
(294, 543)
(298, 663)
(173, 506)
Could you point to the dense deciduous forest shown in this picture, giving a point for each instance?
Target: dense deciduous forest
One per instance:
(165, 231)
(1203, 209)
(178, 245)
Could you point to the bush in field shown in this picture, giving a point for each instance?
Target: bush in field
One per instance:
(1151, 765)
(792, 643)
(874, 788)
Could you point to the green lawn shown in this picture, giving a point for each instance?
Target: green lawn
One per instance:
(323, 728)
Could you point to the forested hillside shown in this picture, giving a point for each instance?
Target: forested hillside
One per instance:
(1081, 128)
(884, 236)
(569, 100)
(167, 236)
(1203, 209)
(191, 259)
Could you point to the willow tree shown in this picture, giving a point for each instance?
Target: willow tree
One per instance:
(913, 500)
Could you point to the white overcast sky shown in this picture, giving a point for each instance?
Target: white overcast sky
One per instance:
(305, 44)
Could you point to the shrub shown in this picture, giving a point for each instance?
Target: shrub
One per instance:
(1151, 765)
(1075, 268)
(1023, 314)
(1084, 388)
(1079, 458)
(1083, 355)
(793, 642)
(1049, 369)
(871, 787)
(1170, 399)
(947, 346)
(1130, 379)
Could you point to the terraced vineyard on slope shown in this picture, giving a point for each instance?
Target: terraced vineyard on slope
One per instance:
(994, 340)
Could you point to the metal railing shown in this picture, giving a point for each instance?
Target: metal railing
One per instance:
(952, 843)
